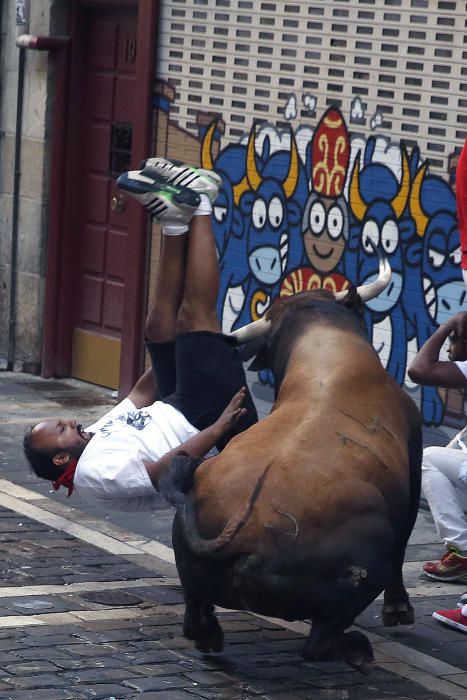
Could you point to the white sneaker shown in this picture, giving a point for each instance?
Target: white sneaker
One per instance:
(164, 200)
(201, 181)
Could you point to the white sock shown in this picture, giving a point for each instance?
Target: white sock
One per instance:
(205, 206)
(178, 228)
(174, 228)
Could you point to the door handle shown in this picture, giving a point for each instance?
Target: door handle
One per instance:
(118, 203)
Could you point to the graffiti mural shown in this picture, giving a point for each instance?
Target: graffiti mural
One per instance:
(298, 210)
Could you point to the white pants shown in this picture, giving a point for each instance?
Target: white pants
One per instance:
(445, 493)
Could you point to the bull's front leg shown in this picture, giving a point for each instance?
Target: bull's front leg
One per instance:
(328, 642)
(397, 609)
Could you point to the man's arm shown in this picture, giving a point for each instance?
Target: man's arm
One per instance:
(427, 368)
(204, 441)
(144, 392)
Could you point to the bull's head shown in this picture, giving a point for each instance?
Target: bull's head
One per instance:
(365, 292)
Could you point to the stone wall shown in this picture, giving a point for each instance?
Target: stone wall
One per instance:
(33, 186)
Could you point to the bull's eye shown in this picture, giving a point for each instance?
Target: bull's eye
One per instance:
(455, 257)
(436, 259)
(317, 218)
(276, 212)
(390, 236)
(370, 233)
(259, 213)
(335, 222)
(220, 214)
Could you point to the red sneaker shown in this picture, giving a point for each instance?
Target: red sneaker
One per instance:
(452, 567)
(456, 618)
(463, 599)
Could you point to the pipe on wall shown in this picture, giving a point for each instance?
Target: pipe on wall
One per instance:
(22, 24)
(24, 42)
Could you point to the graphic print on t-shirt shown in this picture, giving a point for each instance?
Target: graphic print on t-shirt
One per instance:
(137, 419)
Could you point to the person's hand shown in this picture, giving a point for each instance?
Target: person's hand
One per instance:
(458, 325)
(232, 412)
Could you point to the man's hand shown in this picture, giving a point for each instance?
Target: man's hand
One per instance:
(232, 412)
(458, 325)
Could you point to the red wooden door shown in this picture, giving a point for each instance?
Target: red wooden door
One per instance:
(103, 215)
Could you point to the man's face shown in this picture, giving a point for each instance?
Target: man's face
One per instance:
(58, 436)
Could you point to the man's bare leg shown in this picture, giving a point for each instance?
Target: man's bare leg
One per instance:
(170, 281)
(198, 309)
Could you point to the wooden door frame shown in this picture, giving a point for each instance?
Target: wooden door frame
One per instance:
(61, 245)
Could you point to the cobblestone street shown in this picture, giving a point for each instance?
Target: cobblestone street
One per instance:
(91, 606)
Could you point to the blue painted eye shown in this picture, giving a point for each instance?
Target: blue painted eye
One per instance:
(370, 233)
(390, 236)
(259, 213)
(276, 212)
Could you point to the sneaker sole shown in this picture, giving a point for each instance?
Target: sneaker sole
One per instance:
(449, 623)
(184, 175)
(461, 578)
(140, 185)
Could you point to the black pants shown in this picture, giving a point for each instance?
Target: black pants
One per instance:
(199, 374)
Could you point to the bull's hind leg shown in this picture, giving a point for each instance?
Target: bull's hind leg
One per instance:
(201, 626)
(327, 642)
(397, 609)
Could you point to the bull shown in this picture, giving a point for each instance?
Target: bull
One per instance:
(306, 515)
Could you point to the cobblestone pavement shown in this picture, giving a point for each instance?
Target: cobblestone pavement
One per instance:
(91, 607)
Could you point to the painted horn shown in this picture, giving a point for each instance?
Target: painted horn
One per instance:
(371, 290)
(252, 331)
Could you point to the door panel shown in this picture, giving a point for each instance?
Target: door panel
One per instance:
(104, 215)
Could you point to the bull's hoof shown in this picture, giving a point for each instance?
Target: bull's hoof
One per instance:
(210, 646)
(398, 614)
(355, 649)
(206, 632)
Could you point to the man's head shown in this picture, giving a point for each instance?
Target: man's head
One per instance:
(52, 444)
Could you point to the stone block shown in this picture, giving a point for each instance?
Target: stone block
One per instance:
(30, 236)
(35, 96)
(7, 163)
(39, 17)
(29, 318)
(32, 168)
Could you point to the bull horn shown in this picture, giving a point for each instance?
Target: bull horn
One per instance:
(251, 331)
(291, 180)
(239, 189)
(418, 215)
(400, 200)
(371, 290)
(254, 178)
(206, 152)
(357, 203)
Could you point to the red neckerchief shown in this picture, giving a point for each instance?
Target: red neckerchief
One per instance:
(66, 479)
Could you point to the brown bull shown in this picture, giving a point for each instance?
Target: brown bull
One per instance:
(306, 515)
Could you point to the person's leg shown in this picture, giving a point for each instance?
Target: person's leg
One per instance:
(198, 309)
(446, 495)
(461, 199)
(161, 320)
(209, 367)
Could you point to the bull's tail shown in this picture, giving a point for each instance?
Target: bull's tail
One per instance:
(175, 483)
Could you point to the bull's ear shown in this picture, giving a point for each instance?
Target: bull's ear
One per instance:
(260, 361)
(294, 212)
(352, 299)
(246, 203)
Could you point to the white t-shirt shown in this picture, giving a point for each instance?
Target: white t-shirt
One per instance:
(463, 367)
(111, 469)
